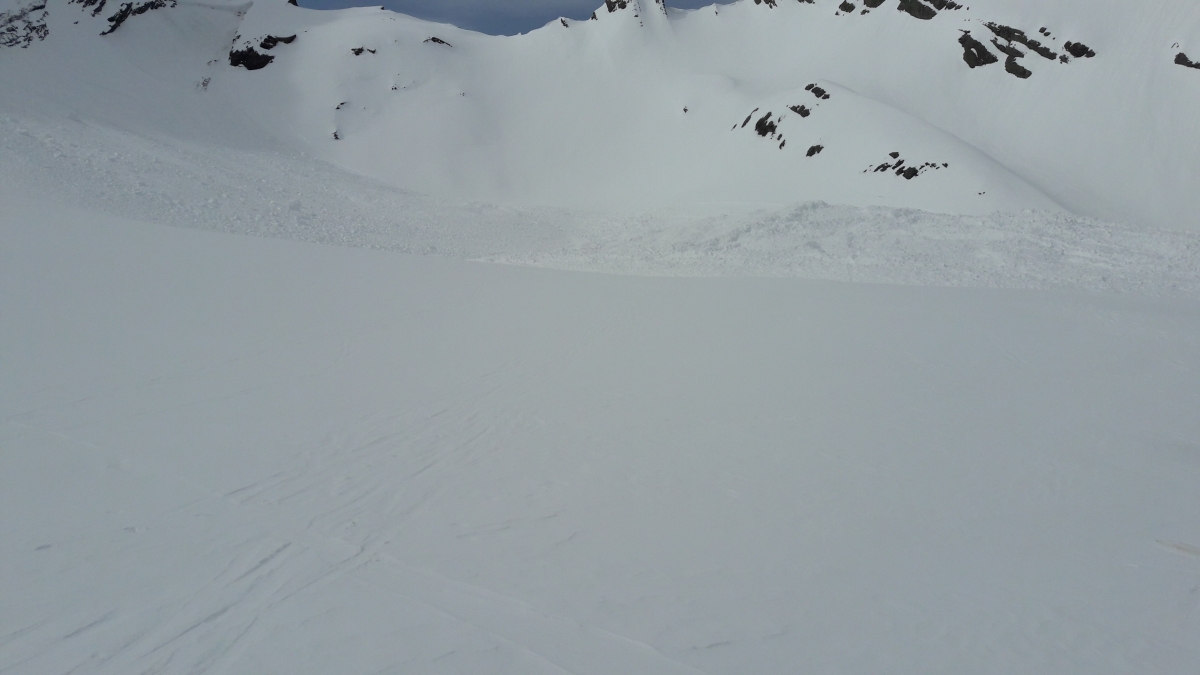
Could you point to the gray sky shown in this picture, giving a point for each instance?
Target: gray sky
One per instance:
(499, 17)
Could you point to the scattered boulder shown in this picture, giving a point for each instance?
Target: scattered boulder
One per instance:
(906, 172)
(358, 51)
(800, 110)
(1183, 60)
(439, 41)
(814, 150)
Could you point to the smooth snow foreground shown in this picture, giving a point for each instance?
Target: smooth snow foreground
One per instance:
(224, 454)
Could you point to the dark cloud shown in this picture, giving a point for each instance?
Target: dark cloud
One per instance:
(498, 17)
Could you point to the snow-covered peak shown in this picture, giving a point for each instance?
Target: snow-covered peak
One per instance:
(931, 104)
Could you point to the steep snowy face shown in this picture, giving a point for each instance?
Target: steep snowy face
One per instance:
(931, 104)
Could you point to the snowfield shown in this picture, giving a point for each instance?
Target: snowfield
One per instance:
(530, 370)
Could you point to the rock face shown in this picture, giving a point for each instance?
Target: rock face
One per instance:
(23, 26)
(974, 53)
(129, 9)
(269, 42)
(249, 59)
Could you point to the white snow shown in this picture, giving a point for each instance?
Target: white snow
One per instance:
(723, 409)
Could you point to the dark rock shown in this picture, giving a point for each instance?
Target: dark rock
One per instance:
(846, 7)
(910, 173)
(747, 120)
(917, 9)
(872, 4)
(814, 150)
(614, 5)
(1012, 35)
(1079, 50)
(1008, 49)
(129, 9)
(249, 59)
(439, 41)
(1014, 68)
(1183, 60)
(766, 126)
(894, 155)
(270, 41)
(974, 53)
(22, 26)
(800, 110)
(99, 4)
(768, 3)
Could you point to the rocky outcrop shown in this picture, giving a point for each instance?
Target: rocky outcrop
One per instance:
(271, 41)
(251, 59)
(129, 9)
(896, 166)
(22, 26)
(974, 53)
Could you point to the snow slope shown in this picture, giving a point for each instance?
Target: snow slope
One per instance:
(225, 454)
(281, 194)
(592, 114)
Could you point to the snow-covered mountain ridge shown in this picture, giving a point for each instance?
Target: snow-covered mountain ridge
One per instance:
(1003, 105)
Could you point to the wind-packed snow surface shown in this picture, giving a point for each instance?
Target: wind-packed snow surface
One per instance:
(286, 453)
